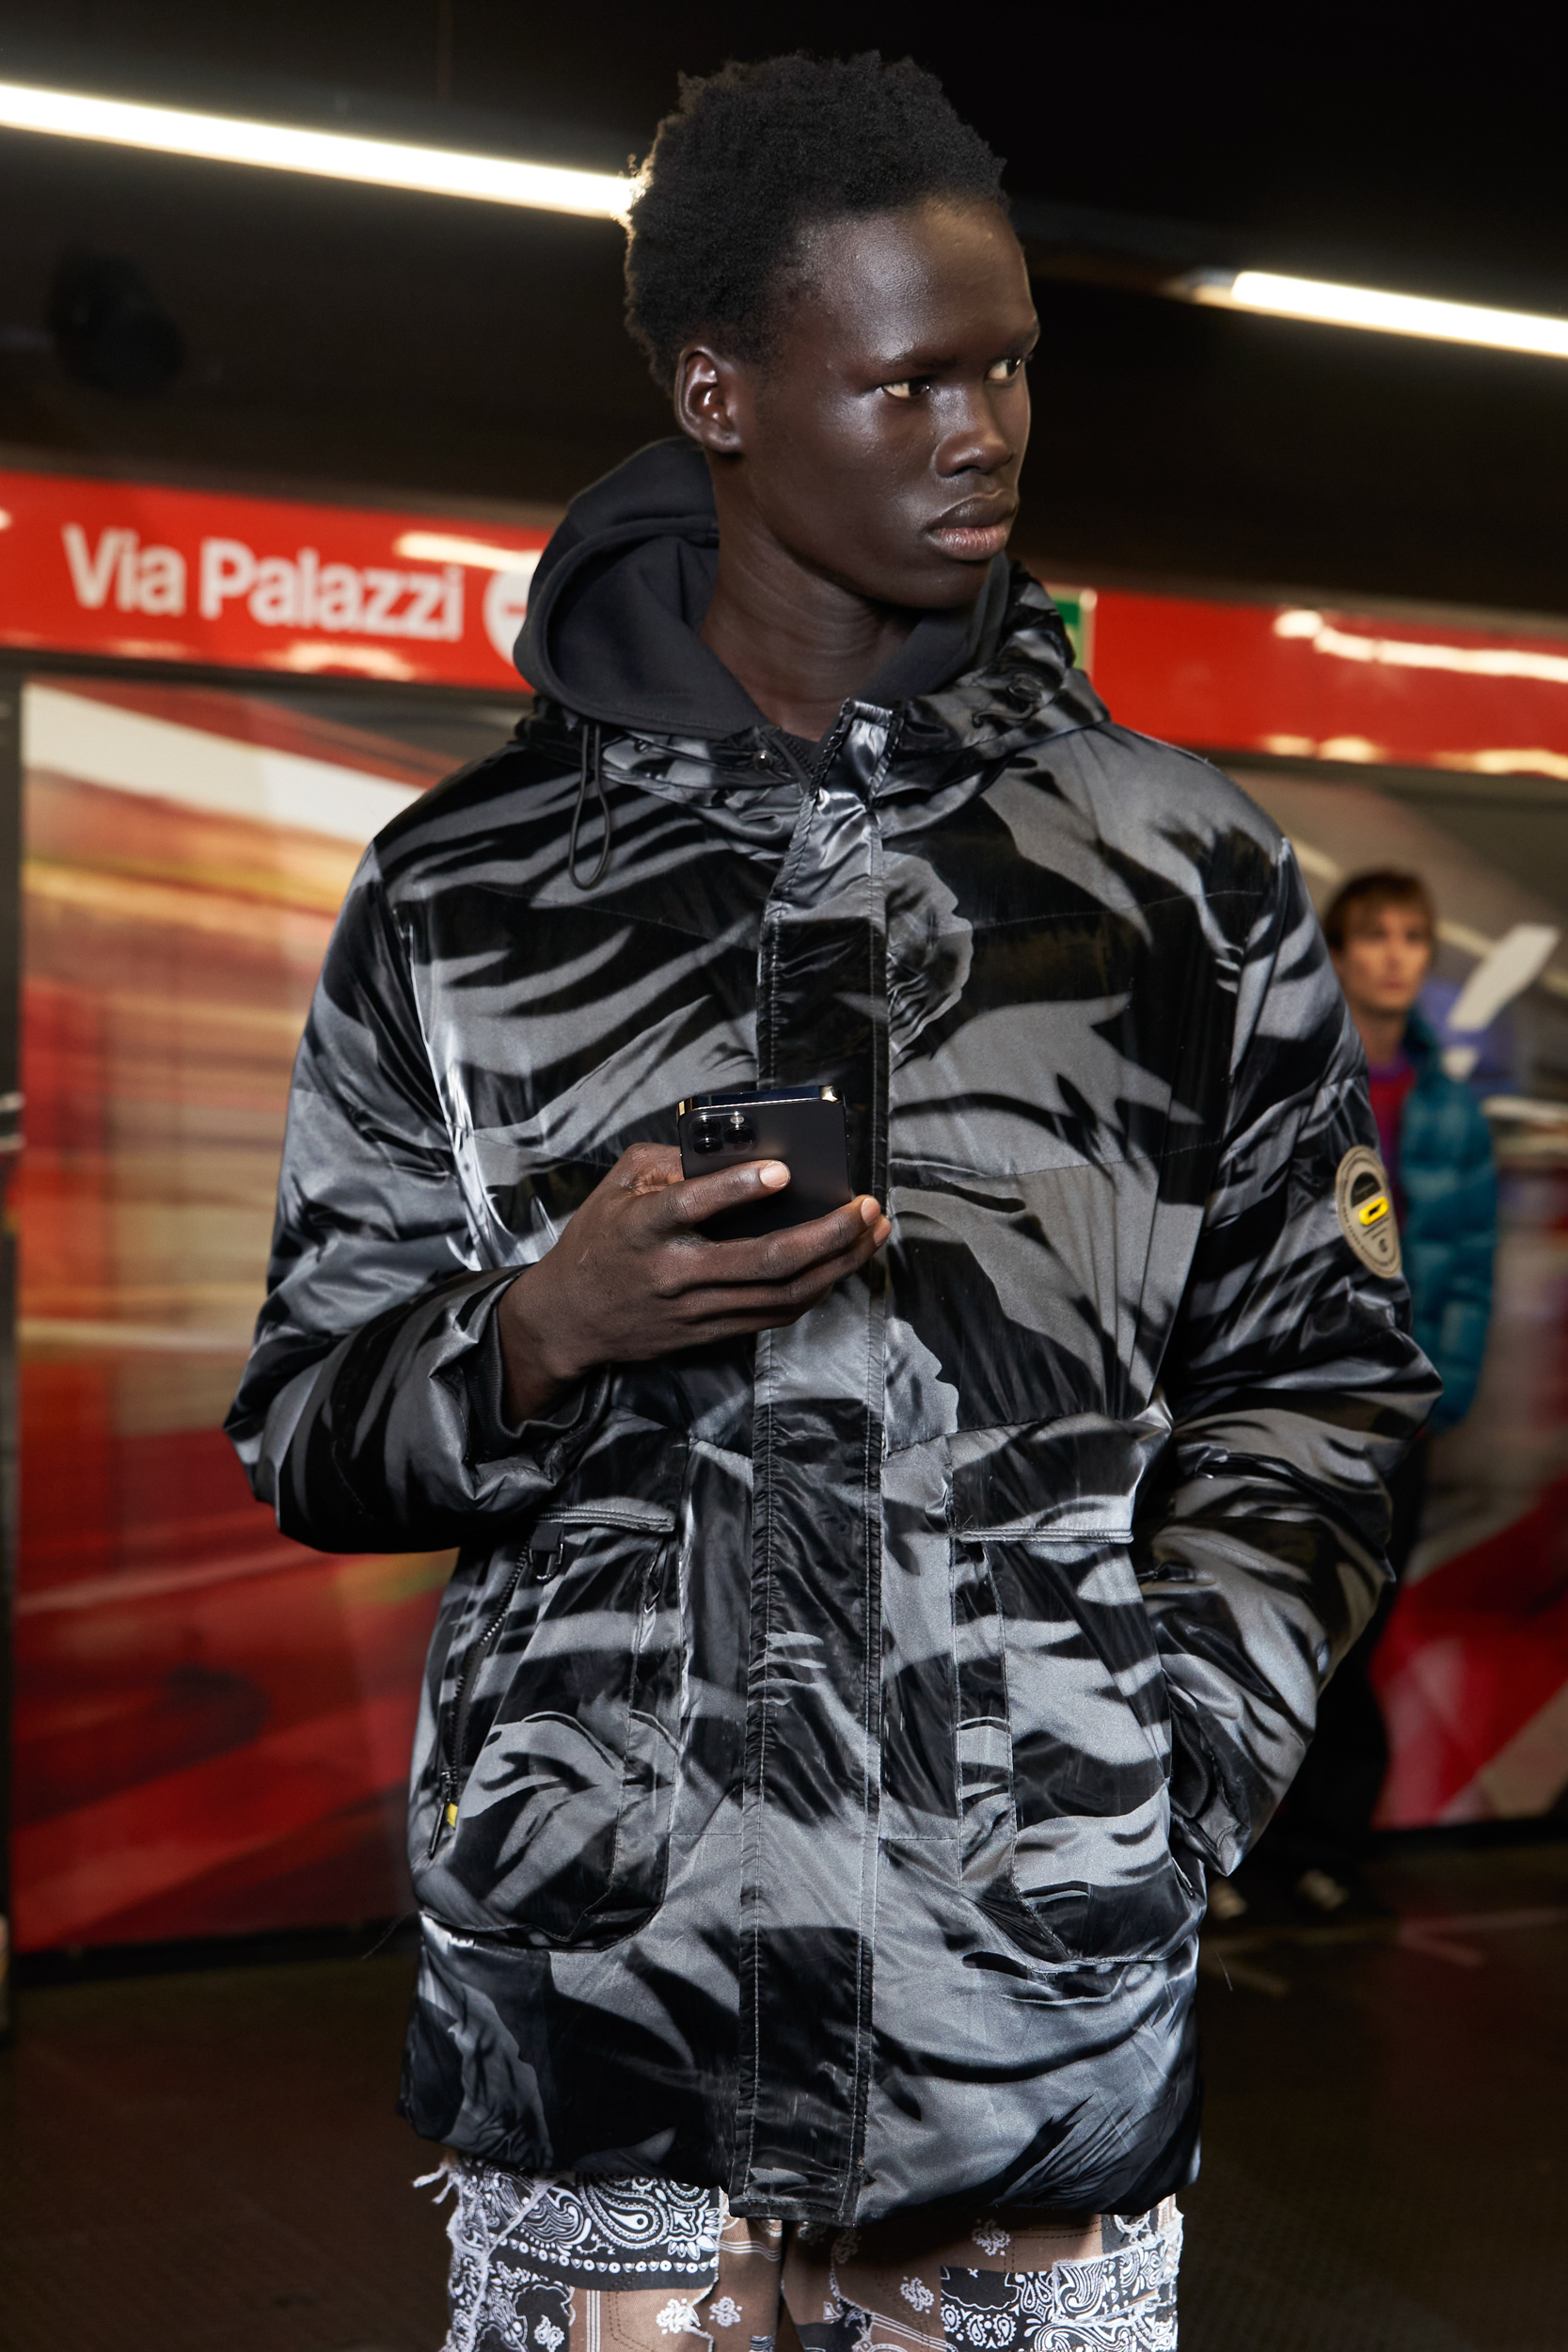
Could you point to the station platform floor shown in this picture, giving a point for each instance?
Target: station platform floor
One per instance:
(206, 2160)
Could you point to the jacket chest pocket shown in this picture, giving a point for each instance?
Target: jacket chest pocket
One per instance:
(559, 1740)
(1063, 1747)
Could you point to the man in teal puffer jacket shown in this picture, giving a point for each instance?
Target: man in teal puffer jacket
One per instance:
(1449, 1229)
(1382, 931)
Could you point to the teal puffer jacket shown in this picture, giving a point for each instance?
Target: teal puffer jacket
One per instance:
(1451, 1221)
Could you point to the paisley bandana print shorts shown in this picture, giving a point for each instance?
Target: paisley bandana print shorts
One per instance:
(638, 2265)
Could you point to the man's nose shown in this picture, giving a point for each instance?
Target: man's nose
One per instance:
(972, 440)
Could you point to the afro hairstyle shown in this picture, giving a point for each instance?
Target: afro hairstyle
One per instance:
(755, 154)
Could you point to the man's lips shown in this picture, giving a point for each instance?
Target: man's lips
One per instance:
(971, 533)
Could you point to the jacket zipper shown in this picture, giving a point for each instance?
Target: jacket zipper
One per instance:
(651, 1521)
(546, 1542)
(446, 1809)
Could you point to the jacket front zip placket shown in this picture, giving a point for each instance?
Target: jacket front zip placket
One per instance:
(822, 994)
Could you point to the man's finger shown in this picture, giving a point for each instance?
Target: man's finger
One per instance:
(648, 1168)
(771, 1257)
(777, 1299)
(693, 1202)
(793, 1249)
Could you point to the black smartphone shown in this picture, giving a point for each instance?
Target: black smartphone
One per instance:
(803, 1126)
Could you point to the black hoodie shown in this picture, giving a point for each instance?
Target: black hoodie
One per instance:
(621, 591)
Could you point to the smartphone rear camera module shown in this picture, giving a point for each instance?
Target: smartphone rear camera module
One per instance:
(803, 1126)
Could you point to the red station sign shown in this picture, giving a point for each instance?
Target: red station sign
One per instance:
(139, 571)
(146, 572)
(1328, 683)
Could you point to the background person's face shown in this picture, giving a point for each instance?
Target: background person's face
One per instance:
(882, 441)
(1383, 961)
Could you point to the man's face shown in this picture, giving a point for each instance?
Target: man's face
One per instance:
(1385, 959)
(882, 442)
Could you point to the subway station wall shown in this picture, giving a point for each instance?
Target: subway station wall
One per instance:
(213, 1723)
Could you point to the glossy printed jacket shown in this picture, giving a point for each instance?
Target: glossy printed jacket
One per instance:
(823, 1748)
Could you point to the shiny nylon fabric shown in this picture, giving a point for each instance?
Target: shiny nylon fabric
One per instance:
(836, 1732)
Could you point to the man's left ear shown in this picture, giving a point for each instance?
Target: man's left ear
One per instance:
(709, 394)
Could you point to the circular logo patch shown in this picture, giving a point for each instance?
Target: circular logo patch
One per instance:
(1366, 1209)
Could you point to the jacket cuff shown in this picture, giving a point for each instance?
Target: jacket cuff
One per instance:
(547, 1438)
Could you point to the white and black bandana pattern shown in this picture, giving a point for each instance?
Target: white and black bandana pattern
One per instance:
(1123, 2301)
(824, 1740)
(532, 2260)
(616, 2233)
(526, 2252)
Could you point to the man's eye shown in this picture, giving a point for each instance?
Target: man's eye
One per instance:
(1004, 371)
(908, 386)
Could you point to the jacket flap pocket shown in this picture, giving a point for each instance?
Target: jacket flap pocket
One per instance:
(1073, 1477)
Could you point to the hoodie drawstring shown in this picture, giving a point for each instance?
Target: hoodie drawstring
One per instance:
(591, 766)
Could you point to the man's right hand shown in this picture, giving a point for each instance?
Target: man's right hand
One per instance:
(632, 1277)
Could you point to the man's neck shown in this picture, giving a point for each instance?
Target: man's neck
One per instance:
(1383, 1035)
(799, 645)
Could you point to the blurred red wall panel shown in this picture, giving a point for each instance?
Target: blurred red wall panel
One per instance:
(213, 1723)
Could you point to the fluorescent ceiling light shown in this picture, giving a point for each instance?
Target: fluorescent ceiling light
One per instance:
(331, 155)
(1329, 304)
(444, 547)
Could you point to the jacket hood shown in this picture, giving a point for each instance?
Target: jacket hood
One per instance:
(620, 592)
(1422, 1045)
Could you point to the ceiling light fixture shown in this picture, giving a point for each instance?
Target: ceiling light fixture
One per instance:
(329, 154)
(1328, 305)
(444, 547)
(606, 196)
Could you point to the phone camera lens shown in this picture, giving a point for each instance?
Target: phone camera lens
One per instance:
(707, 1135)
(739, 1130)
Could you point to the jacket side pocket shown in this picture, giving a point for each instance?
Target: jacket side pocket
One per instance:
(1090, 1874)
(559, 1774)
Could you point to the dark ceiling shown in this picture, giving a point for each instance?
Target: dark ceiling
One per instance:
(425, 345)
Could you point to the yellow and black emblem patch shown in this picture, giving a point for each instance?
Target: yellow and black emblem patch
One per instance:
(1366, 1208)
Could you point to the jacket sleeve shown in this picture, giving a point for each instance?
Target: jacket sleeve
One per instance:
(1453, 1304)
(1295, 1388)
(370, 1414)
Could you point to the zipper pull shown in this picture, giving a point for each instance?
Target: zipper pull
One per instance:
(446, 1810)
(544, 1548)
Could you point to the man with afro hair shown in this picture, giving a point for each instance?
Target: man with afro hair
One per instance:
(872, 1619)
